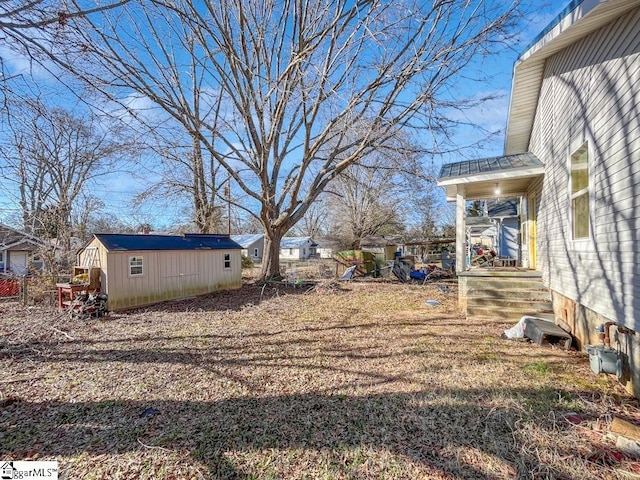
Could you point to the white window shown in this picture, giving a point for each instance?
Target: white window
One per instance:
(255, 252)
(227, 261)
(579, 188)
(136, 266)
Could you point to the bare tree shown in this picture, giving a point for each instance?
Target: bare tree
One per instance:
(306, 88)
(21, 22)
(50, 157)
(365, 199)
(18, 15)
(315, 221)
(189, 170)
(188, 165)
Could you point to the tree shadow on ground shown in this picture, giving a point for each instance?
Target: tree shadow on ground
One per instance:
(251, 293)
(416, 427)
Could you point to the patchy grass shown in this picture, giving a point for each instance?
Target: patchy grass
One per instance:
(539, 368)
(349, 381)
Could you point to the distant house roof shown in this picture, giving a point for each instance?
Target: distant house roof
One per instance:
(478, 222)
(247, 240)
(326, 242)
(188, 241)
(11, 238)
(296, 242)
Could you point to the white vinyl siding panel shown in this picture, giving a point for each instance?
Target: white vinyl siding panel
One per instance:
(591, 92)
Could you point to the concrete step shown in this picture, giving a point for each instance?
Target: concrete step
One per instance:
(509, 273)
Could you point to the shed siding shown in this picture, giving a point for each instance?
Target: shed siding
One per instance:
(591, 93)
(167, 275)
(170, 275)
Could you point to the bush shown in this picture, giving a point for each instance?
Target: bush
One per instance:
(246, 262)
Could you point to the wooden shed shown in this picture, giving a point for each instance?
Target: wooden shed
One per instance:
(138, 270)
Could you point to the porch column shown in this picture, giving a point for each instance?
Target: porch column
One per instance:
(461, 230)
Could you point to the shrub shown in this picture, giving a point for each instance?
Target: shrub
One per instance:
(246, 262)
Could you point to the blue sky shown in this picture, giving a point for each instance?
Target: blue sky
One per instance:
(116, 190)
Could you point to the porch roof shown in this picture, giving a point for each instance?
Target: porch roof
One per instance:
(511, 173)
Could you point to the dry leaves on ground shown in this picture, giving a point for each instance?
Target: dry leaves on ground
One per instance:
(343, 380)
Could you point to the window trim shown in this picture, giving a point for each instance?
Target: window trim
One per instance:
(227, 261)
(136, 258)
(576, 150)
(256, 252)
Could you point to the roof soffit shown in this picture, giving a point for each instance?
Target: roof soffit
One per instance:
(586, 17)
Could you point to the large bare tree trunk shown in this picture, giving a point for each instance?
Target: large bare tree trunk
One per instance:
(271, 257)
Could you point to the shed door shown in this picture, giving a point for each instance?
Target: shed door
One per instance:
(178, 274)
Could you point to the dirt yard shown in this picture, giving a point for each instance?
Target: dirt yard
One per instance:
(348, 381)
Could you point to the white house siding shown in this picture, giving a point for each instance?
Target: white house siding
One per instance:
(291, 254)
(591, 92)
(325, 252)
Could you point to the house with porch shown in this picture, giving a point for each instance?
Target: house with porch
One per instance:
(297, 248)
(572, 158)
(19, 251)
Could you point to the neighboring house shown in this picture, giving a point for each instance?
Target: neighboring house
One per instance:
(19, 251)
(327, 247)
(138, 270)
(252, 245)
(572, 155)
(297, 248)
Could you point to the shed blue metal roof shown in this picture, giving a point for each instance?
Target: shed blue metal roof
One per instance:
(189, 241)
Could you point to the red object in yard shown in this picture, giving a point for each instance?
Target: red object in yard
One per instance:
(9, 288)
